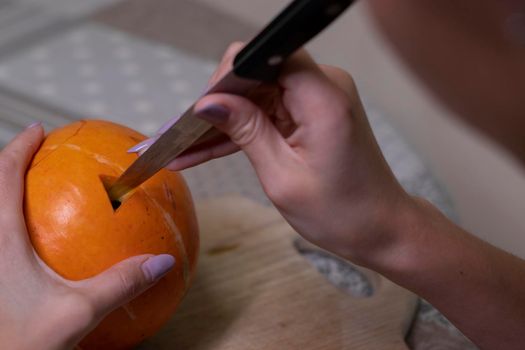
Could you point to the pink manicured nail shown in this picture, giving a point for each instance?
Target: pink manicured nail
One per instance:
(157, 266)
(34, 125)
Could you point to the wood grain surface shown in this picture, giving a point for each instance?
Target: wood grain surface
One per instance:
(253, 290)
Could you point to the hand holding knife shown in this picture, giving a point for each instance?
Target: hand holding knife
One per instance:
(259, 62)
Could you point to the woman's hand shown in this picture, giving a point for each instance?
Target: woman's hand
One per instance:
(310, 143)
(315, 155)
(38, 308)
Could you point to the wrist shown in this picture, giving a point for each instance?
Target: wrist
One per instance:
(423, 241)
(399, 233)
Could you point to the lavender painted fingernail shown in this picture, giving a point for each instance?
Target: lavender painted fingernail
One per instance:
(215, 114)
(140, 146)
(33, 125)
(157, 266)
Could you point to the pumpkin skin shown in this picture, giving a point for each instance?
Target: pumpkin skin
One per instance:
(76, 231)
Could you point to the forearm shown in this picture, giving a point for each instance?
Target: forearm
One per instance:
(480, 288)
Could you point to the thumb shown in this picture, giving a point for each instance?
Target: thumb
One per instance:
(248, 127)
(126, 280)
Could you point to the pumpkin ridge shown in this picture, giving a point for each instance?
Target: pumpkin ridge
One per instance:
(82, 124)
(172, 227)
(93, 155)
(129, 311)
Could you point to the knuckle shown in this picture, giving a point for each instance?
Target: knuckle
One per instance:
(234, 48)
(127, 286)
(345, 76)
(348, 81)
(248, 129)
(341, 78)
(231, 52)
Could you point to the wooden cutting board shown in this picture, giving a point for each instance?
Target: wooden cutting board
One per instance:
(253, 290)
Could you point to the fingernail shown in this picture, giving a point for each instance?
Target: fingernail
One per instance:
(33, 125)
(139, 146)
(215, 114)
(157, 266)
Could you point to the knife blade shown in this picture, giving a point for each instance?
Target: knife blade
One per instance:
(259, 62)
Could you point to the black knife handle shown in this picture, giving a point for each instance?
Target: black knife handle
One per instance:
(262, 58)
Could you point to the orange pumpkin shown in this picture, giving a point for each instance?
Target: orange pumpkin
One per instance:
(76, 231)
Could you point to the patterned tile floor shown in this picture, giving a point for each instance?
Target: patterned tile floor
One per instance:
(97, 72)
(24, 23)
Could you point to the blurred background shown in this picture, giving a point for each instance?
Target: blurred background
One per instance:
(139, 62)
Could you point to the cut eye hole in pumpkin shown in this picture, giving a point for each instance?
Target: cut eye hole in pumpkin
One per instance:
(107, 181)
(116, 204)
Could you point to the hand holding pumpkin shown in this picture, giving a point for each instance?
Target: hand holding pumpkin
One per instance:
(40, 309)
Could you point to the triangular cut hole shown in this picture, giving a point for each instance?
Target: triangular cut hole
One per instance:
(115, 204)
(107, 181)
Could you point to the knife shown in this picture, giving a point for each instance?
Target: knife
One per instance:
(259, 62)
